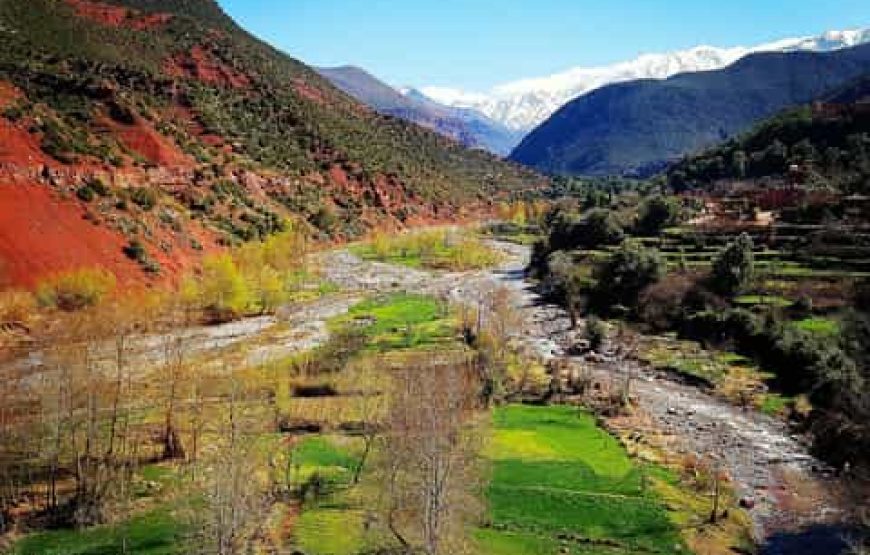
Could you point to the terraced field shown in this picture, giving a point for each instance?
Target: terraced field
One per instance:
(562, 484)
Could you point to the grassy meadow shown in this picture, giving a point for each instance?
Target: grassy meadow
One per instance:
(561, 482)
(439, 249)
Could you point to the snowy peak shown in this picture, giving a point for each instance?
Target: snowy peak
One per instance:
(524, 104)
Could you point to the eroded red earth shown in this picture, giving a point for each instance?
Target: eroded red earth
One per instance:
(144, 140)
(117, 16)
(41, 234)
(202, 65)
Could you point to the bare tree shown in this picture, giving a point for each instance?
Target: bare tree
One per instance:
(430, 458)
(235, 502)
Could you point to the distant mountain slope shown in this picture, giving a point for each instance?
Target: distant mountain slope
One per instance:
(469, 127)
(522, 105)
(828, 142)
(637, 126)
(163, 122)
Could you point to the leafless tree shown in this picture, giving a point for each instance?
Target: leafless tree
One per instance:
(430, 457)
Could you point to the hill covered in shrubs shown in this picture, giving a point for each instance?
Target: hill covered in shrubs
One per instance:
(164, 122)
(823, 144)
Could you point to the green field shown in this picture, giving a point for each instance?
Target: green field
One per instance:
(331, 524)
(400, 321)
(153, 533)
(559, 481)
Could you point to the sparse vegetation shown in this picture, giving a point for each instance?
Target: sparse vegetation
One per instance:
(76, 289)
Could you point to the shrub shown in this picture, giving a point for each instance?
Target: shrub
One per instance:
(663, 305)
(143, 197)
(629, 270)
(656, 213)
(596, 332)
(75, 290)
(734, 267)
(96, 185)
(135, 250)
(85, 193)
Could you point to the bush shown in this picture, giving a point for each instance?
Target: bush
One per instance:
(630, 269)
(734, 267)
(596, 332)
(76, 289)
(665, 304)
(96, 185)
(657, 213)
(85, 193)
(143, 197)
(135, 250)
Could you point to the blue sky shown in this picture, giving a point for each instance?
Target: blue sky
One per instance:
(474, 44)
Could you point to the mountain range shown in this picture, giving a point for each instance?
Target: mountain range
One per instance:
(468, 127)
(524, 104)
(635, 127)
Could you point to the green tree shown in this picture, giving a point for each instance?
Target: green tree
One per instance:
(600, 227)
(567, 282)
(656, 213)
(629, 270)
(734, 267)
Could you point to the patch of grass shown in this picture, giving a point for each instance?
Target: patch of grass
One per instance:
(330, 525)
(774, 404)
(688, 358)
(401, 321)
(325, 456)
(557, 474)
(768, 300)
(327, 530)
(825, 327)
(153, 533)
(437, 249)
(508, 542)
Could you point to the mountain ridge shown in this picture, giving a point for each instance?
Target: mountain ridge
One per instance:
(469, 127)
(627, 128)
(526, 103)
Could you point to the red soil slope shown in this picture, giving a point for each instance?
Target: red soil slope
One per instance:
(41, 234)
(143, 139)
(117, 16)
(18, 147)
(201, 64)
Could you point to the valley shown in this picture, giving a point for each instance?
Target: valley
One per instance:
(255, 299)
(670, 422)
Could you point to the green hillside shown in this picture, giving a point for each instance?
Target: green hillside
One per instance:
(638, 126)
(826, 144)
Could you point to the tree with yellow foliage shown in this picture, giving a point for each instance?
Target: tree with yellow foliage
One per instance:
(224, 292)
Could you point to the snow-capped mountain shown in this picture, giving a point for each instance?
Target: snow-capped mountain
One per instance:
(522, 105)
